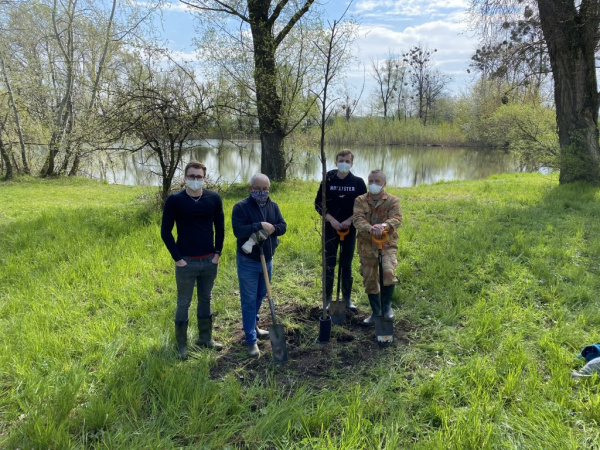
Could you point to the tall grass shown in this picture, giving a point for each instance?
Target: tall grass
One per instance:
(377, 131)
(499, 281)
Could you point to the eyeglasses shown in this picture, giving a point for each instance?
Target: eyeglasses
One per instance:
(195, 177)
(258, 188)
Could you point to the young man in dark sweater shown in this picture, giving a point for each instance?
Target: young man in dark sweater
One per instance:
(342, 188)
(198, 215)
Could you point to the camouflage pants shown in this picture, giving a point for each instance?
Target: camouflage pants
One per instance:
(369, 269)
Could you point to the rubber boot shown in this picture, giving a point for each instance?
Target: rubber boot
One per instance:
(374, 301)
(181, 338)
(205, 334)
(386, 302)
(347, 292)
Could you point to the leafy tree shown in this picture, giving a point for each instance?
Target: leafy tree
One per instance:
(269, 23)
(570, 31)
(58, 62)
(529, 131)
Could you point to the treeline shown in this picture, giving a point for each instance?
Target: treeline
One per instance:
(81, 76)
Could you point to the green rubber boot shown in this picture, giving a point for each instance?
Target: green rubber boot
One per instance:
(205, 334)
(386, 302)
(374, 301)
(347, 292)
(181, 338)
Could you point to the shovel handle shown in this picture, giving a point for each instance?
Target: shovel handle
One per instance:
(265, 273)
(343, 233)
(380, 241)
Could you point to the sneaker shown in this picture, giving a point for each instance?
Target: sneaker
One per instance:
(253, 351)
(369, 320)
(262, 334)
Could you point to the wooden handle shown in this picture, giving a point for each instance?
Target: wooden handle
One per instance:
(266, 274)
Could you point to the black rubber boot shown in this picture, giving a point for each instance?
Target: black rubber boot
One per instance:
(374, 301)
(386, 302)
(347, 293)
(181, 338)
(205, 334)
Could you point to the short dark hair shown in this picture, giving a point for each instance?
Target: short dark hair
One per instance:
(345, 152)
(379, 172)
(196, 165)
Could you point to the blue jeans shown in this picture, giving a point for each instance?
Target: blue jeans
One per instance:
(252, 291)
(200, 272)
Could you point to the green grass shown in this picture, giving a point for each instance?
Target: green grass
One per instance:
(499, 282)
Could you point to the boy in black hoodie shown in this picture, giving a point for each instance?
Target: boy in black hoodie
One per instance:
(342, 188)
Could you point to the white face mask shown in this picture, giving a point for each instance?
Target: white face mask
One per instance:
(194, 185)
(343, 167)
(375, 189)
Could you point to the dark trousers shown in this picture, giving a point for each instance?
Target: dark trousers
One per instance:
(332, 243)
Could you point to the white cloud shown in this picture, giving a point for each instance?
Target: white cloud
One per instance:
(385, 9)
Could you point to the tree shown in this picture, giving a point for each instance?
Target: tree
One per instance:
(333, 50)
(270, 23)
(57, 62)
(164, 109)
(517, 61)
(427, 84)
(389, 76)
(571, 33)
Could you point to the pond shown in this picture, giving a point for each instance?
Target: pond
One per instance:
(405, 166)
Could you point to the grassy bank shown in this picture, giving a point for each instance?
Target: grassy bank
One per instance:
(499, 284)
(375, 131)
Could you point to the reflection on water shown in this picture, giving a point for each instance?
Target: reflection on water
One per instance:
(405, 166)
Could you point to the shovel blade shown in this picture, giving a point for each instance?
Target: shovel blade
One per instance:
(277, 337)
(384, 329)
(337, 309)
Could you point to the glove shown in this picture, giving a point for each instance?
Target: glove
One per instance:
(254, 238)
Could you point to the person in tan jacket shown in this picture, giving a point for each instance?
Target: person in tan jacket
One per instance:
(377, 212)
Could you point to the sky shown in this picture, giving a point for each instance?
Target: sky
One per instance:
(385, 26)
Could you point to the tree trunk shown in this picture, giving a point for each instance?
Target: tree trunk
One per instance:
(268, 101)
(571, 37)
(5, 158)
(13, 106)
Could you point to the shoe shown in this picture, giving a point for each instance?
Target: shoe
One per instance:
(261, 334)
(253, 351)
(369, 320)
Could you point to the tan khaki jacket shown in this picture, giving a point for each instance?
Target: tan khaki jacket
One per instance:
(367, 212)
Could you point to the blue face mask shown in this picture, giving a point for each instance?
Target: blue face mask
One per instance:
(261, 197)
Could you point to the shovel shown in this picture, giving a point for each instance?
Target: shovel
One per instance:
(276, 332)
(384, 328)
(338, 307)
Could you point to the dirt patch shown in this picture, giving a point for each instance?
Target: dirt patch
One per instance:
(351, 348)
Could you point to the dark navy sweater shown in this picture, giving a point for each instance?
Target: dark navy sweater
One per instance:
(246, 219)
(195, 223)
